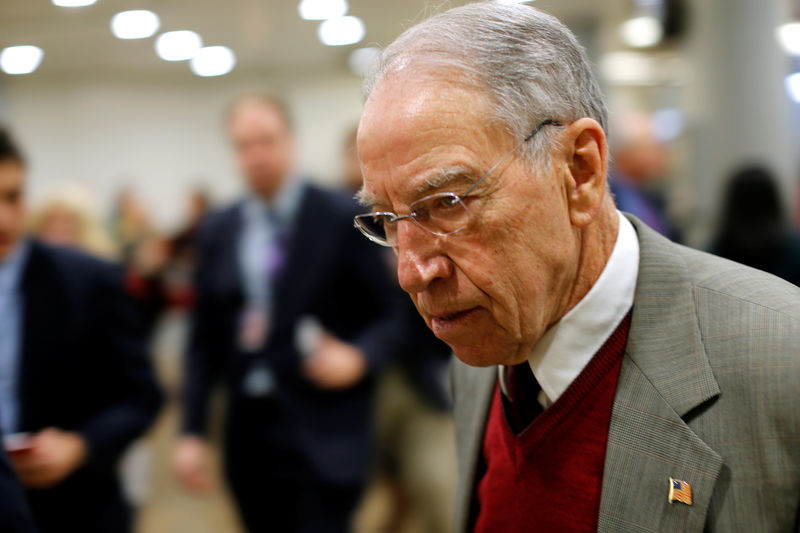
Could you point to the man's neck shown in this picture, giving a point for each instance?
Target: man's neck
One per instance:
(596, 244)
(269, 195)
(10, 251)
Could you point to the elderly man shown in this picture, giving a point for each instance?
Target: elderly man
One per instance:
(614, 381)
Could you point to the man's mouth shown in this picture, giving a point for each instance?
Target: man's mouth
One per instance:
(446, 323)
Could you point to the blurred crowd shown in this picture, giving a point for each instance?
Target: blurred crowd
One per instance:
(334, 387)
(334, 390)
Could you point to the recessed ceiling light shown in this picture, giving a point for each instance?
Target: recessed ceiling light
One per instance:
(213, 61)
(178, 45)
(322, 9)
(789, 37)
(73, 3)
(341, 31)
(20, 59)
(136, 24)
(641, 32)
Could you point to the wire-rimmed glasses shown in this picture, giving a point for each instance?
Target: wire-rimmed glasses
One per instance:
(443, 213)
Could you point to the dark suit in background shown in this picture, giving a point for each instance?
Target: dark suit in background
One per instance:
(296, 459)
(83, 368)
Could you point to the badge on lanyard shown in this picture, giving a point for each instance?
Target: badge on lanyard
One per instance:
(253, 329)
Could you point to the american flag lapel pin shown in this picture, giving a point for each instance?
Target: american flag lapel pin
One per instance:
(680, 491)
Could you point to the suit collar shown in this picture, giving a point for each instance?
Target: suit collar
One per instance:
(665, 342)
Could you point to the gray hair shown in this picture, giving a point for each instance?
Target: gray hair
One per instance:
(530, 66)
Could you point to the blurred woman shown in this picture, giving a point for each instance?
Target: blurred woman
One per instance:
(754, 228)
(68, 218)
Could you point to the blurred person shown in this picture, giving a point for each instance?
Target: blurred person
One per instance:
(129, 224)
(144, 252)
(413, 413)
(182, 253)
(295, 314)
(145, 277)
(15, 515)
(754, 228)
(639, 162)
(67, 219)
(608, 379)
(76, 384)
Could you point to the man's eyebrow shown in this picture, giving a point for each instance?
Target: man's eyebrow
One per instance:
(447, 176)
(440, 179)
(364, 198)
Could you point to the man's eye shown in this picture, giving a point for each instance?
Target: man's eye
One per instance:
(445, 203)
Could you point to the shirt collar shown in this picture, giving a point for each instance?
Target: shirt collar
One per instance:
(11, 268)
(284, 204)
(568, 345)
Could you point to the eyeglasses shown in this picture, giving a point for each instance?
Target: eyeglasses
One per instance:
(443, 213)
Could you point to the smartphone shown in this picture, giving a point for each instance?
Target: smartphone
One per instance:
(18, 442)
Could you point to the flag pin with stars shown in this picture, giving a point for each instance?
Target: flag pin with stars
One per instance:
(680, 491)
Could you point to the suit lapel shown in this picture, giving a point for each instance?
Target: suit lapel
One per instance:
(308, 249)
(664, 376)
(471, 413)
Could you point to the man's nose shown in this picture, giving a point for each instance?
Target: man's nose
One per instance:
(419, 262)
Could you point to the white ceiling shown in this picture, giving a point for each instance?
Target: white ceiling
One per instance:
(267, 36)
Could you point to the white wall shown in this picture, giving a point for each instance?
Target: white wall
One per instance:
(162, 137)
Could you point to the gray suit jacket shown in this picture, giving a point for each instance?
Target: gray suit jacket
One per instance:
(709, 393)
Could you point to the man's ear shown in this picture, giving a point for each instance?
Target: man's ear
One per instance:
(587, 162)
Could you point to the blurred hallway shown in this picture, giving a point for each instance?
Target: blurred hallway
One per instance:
(167, 507)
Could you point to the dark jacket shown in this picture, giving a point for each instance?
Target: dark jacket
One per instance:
(331, 273)
(84, 368)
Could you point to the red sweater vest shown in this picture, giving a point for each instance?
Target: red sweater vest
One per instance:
(549, 478)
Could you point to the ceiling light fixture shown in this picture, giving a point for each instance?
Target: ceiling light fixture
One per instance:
(20, 59)
(793, 86)
(178, 45)
(788, 36)
(135, 24)
(322, 9)
(341, 31)
(73, 3)
(642, 32)
(213, 61)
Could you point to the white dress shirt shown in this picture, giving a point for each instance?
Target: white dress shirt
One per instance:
(568, 345)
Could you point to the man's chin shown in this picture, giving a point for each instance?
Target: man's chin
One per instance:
(479, 356)
(491, 354)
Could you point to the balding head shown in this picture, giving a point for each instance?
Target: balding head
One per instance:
(502, 242)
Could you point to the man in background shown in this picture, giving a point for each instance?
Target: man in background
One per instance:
(295, 314)
(76, 386)
(639, 161)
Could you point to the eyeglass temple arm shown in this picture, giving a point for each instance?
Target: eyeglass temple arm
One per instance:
(541, 125)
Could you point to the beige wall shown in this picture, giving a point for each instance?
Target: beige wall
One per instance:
(162, 137)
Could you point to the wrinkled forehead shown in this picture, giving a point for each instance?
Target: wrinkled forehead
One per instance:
(411, 124)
